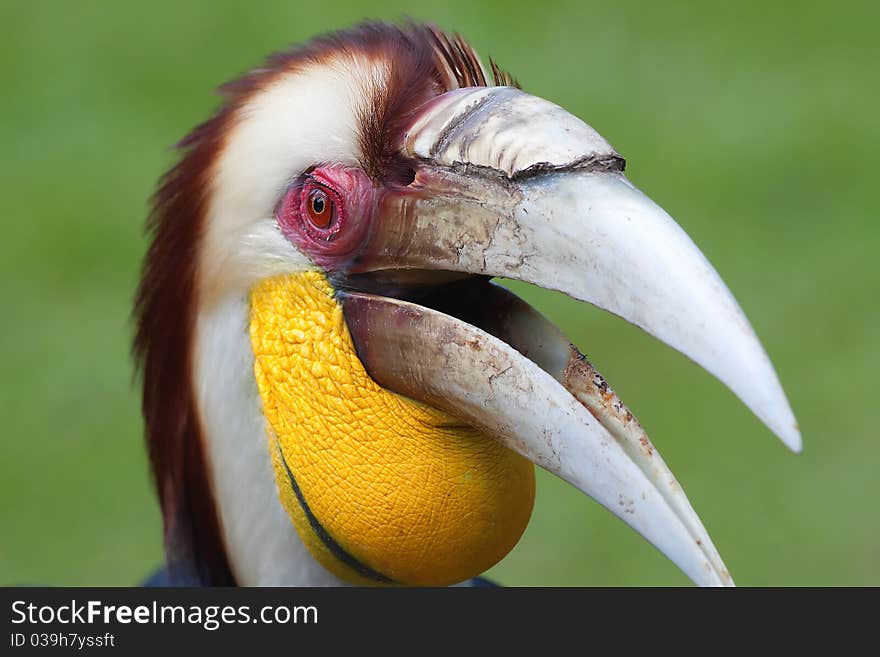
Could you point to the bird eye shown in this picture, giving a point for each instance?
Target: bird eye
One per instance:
(320, 208)
(322, 213)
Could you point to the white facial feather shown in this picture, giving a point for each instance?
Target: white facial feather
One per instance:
(303, 118)
(261, 542)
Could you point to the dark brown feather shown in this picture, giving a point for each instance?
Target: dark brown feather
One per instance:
(164, 309)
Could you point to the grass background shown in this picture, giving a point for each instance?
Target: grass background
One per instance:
(755, 124)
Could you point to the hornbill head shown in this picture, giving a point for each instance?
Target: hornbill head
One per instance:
(333, 388)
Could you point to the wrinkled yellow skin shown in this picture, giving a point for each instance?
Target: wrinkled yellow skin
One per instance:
(405, 489)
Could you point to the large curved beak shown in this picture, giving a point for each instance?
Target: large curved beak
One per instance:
(510, 185)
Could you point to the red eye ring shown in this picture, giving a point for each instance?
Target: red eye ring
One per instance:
(327, 212)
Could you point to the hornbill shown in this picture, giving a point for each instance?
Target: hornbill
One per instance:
(334, 391)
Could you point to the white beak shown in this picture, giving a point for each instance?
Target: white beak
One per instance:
(512, 186)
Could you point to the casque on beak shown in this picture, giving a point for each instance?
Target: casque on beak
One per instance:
(510, 185)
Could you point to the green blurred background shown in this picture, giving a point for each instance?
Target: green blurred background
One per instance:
(755, 124)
